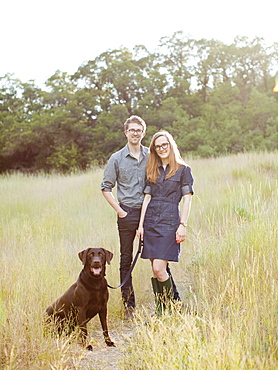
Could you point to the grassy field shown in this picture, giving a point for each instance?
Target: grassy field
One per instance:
(227, 275)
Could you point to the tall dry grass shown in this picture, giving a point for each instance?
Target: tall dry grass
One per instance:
(227, 275)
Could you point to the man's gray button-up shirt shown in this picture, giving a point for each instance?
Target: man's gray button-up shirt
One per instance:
(129, 174)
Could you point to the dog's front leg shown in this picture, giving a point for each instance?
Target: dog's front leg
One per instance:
(103, 319)
(82, 324)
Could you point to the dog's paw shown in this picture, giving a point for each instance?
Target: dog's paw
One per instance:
(89, 347)
(110, 343)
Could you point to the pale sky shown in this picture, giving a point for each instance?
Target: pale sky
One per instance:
(40, 37)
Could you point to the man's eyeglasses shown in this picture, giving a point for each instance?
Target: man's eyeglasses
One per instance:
(132, 131)
(163, 146)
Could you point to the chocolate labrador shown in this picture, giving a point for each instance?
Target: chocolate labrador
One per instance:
(87, 297)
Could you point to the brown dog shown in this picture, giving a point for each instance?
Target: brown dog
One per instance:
(85, 298)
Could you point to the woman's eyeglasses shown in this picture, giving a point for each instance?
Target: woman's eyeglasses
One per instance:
(163, 146)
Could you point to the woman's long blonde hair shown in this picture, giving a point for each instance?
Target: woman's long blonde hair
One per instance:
(175, 160)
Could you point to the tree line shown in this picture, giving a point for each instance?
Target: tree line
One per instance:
(214, 98)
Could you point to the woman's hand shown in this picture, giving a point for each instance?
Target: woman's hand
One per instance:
(180, 234)
(140, 233)
(140, 230)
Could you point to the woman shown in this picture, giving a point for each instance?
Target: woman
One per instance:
(162, 226)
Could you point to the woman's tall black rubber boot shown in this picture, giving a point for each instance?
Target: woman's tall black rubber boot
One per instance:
(157, 297)
(166, 293)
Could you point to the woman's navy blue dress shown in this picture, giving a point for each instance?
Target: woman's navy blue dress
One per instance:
(162, 216)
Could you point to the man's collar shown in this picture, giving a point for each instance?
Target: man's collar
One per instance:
(128, 152)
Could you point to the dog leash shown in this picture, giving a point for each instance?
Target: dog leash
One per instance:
(131, 267)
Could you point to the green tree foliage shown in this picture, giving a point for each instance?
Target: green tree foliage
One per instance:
(214, 98)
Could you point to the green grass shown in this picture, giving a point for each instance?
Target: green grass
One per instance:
(227, 274)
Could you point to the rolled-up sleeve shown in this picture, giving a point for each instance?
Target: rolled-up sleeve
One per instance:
(147, 189)
(109, 176)
(187, 181)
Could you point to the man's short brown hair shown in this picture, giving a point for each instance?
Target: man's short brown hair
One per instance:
(135, 119)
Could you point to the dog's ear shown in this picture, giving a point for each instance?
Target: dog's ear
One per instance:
(108, 255)
(83, 255)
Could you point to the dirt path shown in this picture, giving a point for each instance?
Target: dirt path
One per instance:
(103, 357)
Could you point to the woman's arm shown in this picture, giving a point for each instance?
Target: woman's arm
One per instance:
(181, 231)
(140, 231)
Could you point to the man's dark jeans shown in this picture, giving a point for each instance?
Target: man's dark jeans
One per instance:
(127, 227)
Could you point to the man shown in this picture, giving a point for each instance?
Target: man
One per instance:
(127, 169)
